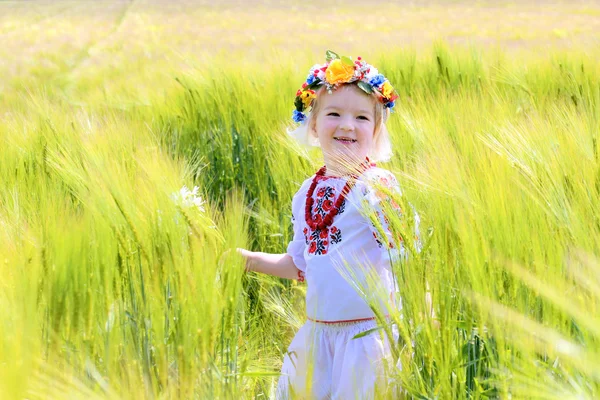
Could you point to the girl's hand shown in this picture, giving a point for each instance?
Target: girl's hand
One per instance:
(247, 257)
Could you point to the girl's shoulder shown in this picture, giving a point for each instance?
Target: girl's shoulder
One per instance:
(300, 194)
(376, 176)
(305, 185)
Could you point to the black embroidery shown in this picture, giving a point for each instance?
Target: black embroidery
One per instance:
(336, 235)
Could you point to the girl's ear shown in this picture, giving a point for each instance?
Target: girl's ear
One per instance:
(312, 131)
(312, 127)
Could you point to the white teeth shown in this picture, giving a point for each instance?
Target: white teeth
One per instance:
(345, 139)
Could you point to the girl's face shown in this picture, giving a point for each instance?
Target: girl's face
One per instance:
(345, 126)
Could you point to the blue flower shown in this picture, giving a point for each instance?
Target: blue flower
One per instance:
(310, 79)
(390, 105)
(298, 116)
(377, 80)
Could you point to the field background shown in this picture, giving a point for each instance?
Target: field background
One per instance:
(114, 286)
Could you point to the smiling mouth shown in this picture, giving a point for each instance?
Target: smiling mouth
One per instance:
(344, 139)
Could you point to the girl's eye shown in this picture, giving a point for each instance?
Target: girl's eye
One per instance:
(334, 114)
(363, 117)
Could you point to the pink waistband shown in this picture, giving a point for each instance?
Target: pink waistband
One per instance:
(343, 321)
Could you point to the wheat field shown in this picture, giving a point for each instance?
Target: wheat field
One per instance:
(141, 142)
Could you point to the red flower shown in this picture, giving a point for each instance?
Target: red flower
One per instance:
(312, 247)
(321, 192)
(323, 234)
(305, 231)
(334, 229)
(324, 252)
(325, 243)
(327, 204)
(318, 218)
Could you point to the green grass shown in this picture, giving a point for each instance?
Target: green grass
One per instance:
(111, 288)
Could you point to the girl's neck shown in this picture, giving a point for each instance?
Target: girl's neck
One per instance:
(338, 173)
(342, 171)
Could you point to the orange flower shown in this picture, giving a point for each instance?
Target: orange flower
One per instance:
(338, 72)
(387, 90)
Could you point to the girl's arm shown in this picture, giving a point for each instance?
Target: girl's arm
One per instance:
(280, 265)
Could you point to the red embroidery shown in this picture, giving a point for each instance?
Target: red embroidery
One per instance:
(330, 210)
(336, 235)
(301, 276)
(377, 239)
(318, 245)
(318, 240)
(384, 181)
(318, 218)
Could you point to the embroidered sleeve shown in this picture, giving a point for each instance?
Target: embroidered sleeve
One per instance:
(392, 228)
(297, 245)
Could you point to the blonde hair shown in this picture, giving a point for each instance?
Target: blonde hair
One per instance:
(382, 147)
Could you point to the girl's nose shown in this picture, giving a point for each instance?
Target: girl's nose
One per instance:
(346, 125)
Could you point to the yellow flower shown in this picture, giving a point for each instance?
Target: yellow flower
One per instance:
(387, 90)
(338, 72)
(307, 98)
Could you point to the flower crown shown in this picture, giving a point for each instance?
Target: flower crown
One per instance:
(339, 70)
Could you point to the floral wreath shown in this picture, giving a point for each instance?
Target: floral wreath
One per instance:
(339, 70)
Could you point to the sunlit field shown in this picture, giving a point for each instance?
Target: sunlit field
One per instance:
(141, 142)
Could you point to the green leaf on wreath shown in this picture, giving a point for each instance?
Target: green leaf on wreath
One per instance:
(347, 61)
(330, 55)
(298, 103)
(365, 87)
(314, 84)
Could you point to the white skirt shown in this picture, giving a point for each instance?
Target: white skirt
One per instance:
(325, 362)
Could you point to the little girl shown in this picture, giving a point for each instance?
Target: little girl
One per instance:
(342, 107)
